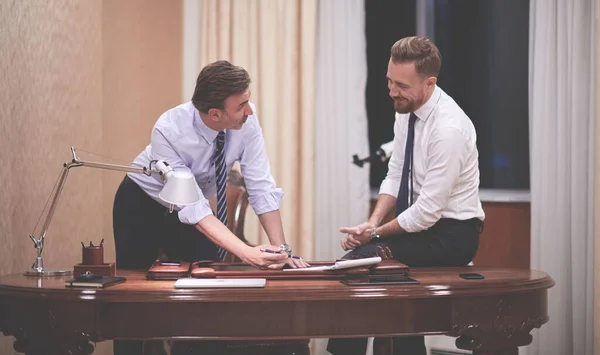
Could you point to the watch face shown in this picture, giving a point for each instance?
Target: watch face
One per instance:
(286, 248)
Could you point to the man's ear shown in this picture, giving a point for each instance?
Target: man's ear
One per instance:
(214, 114)
(432, 80)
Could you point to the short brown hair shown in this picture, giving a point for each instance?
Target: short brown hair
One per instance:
(420, 50)
(216, 82)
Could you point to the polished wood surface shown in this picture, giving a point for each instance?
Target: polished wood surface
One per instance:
(506, 237)
(488, 316)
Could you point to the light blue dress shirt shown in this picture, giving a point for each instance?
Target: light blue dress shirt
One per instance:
(181, 138)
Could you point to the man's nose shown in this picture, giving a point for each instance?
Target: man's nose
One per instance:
(393, 92)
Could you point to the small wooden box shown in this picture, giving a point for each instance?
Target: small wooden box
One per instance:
(107, 269)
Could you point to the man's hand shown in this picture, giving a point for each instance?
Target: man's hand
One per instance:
(262, 260)
(297, 263)
(356, 236)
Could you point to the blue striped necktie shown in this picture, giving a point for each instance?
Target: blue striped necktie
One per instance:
(402, 200)
(221, 178)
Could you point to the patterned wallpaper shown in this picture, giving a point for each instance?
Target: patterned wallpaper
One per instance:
(92, 74)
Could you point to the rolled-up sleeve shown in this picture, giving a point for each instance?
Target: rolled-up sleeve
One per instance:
(445, 157)
(264, 195)
(192, 214)
(162, 149)
(391, 183)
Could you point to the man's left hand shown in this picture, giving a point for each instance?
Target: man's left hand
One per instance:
(296, 263)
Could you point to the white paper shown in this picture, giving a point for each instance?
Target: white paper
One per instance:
(345, 264)
(219, 283)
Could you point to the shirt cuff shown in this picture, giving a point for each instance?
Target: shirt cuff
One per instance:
(406, 223)
(192, 214)
(413, 221)
(267, 202)
(389, 187)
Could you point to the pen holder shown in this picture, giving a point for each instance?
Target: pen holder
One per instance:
(93, 255)
(92, 261)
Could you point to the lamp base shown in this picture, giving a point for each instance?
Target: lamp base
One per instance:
(49, 272)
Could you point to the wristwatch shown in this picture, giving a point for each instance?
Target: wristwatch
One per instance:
(286, 248)
(374, 234)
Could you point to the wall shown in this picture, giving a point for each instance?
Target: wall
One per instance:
(92, 74)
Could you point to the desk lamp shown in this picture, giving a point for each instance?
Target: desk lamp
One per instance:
(180, 189)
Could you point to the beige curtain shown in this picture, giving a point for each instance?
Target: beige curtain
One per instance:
(275, 41)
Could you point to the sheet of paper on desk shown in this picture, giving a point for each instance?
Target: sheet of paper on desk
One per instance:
(344, 264)
(219, 283)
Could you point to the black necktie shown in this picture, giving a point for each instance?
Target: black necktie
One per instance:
(221, 177)
(402, 200)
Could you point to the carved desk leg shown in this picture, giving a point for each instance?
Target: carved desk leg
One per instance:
(498, 325)
(72, 344)
(42, 328)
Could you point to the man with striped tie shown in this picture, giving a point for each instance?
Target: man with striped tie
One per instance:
(205, 136)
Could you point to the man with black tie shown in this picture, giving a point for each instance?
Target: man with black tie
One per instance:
(432, 181)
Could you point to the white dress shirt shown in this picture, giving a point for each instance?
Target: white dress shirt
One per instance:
(181, 138)
(446, 169)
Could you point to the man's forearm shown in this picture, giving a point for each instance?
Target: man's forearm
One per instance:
(390, 228)
(219, 234)
(271, 222)
(384, 205)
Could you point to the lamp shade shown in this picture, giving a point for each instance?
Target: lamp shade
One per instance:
(180, 188)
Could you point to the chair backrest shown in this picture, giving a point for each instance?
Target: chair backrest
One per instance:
(237, 204)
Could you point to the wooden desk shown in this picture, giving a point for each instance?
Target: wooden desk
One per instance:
(491, 316)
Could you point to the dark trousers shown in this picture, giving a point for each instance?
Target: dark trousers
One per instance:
(449, 242)
(142, 227)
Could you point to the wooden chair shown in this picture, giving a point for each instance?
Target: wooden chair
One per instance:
(237, 204)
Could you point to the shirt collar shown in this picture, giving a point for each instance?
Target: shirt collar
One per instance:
(425, 111)
(207, 133)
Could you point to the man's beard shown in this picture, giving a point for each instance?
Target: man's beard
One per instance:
(405, 105)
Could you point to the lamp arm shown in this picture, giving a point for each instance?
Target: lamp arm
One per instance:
(61, 183)
(39, 243)
(131, 169)
(163, 169)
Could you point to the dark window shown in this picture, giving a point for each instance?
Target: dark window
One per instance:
(385, 23)
(484, 46)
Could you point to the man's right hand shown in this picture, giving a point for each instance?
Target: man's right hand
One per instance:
(357, 235)
(262, 260)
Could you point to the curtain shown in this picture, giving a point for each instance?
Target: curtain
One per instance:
(275, 41)
(562, 143)
(341, 123)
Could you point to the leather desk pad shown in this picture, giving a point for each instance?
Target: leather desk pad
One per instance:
(210, 269)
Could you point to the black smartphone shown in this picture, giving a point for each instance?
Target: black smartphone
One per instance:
(471, 276)
(378, 281)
